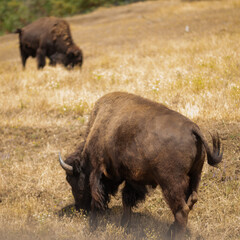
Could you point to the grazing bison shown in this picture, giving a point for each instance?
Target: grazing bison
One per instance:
(49, 37)
(140, 142)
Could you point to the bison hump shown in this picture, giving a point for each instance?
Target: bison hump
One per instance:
(60, 30)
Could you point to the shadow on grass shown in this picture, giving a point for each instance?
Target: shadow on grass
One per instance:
(143, 225)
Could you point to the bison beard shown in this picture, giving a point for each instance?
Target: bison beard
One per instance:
(49, 37)
(142, 143)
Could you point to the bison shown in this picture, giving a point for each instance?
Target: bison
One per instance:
(138, 142)
(49, 37)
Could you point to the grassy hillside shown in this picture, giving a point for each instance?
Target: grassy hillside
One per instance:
(17, 13)
(183, 54)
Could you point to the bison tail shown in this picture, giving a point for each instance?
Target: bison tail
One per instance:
(215, 156)
(18, 30)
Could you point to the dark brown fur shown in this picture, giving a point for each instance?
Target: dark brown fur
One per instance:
(49, 37)
(140, 142)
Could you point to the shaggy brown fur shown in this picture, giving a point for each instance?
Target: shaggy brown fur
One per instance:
(140, 142)
(49, 37)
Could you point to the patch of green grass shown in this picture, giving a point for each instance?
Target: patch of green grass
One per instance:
(80, 108)
(197, 83)
(235, 93)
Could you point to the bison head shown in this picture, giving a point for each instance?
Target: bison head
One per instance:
(77, 178)
(74, 57)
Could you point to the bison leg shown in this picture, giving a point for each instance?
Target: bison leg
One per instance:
(175, 191)
(181, 204)
(195, 176)
(24, 57)
(178, 228)
(132, 193)
(41, 54)
(192, 200)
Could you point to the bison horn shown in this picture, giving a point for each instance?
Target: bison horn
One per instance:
(65, 166)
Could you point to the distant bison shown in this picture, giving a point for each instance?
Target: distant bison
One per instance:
(142, 143)
(49, 37)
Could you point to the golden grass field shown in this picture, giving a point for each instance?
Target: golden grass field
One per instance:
(183, 54)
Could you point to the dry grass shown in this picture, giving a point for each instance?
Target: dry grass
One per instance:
(184, 54)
